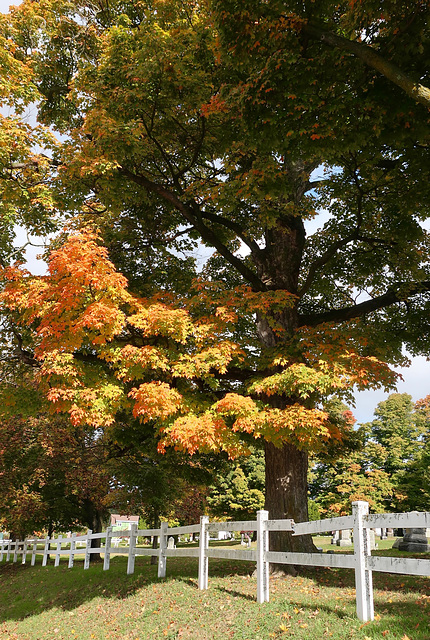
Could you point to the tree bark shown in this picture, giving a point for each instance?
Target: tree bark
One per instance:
(286, 466)
(155, 525)
(287, 496)
(413, 88)
(94, 521)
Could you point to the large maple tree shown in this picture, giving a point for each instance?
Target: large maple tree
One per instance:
(205, 124)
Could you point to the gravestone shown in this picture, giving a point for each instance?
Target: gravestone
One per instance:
(373, 544)
(414, 540)
(171, 543)
(245, 538)
(334, 537)
(344, 538)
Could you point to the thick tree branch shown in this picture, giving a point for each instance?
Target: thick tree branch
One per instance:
(23, 355)
(400, 293)
(192, 214)
(238, 230)
(322, 260)
(369, 56)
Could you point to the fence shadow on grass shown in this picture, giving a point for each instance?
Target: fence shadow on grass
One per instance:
(32, 590)
(235, 593)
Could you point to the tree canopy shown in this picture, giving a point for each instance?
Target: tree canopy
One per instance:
(385, 464)
(228, 127)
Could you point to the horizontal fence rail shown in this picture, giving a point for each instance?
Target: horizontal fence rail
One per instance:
(361, 561)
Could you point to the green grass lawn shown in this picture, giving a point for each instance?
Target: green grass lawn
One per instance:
(38, 603)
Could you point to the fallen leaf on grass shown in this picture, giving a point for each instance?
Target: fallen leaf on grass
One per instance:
(364, 625)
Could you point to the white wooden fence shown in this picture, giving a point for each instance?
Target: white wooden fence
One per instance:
(361, 560)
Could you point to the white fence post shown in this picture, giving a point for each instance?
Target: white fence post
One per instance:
(58, 551)
(363, 575)
(72, 550)
(88, 550)
(33, 553)
(46, 551)
(132, 548)
(106, 559)
(262, 564)
(24, 551)
(203, 559)
(9, 549)
(15, 553)
(162, 559)
(1, 550)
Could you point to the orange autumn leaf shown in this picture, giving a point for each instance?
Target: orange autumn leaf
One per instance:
(155, 400)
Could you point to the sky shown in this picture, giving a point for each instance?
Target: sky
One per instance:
(416, 378)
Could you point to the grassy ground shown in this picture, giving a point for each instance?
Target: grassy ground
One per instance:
(46, 603)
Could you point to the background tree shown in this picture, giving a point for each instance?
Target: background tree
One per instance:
(51, 477)
(239, 493)
(156, 486)
(181, 131)
(398, 431)
(356, 475)
(414, 479)
(386, 466)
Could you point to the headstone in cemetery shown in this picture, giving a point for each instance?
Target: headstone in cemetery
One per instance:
(245, 538)
(414, 540)
(373, 544)
(171, 543)
(334, 537)
(344, 538)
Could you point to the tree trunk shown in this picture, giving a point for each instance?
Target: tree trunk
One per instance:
(155, 525)
(286, 466)
(50, 535)
(94, 521)
(154, 559)
(96, 528)
(287, 495)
